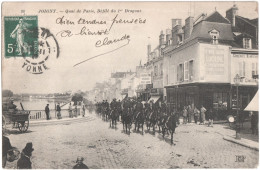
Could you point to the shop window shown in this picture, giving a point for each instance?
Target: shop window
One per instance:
(186, 70)
(247, 43)
(191, 70)
(220, 101)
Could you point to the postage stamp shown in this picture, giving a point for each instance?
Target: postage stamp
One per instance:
(21, 36)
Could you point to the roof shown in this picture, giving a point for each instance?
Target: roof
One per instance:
(253, 22)
(201, 30)
(216, 17)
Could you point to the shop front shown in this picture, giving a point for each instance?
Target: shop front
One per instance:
(218, 97)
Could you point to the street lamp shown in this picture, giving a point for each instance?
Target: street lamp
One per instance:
(237, 79)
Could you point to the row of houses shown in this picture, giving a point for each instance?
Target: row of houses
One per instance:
(195, 63)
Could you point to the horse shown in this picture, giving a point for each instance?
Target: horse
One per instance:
(160, 120)
(170, 125)
(127, 119)
(139, 121)
(151, 121)
(113, 117)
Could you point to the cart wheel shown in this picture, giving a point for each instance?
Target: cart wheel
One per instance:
(3, 124)
(23, 126)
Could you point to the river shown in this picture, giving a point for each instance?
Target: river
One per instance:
(38, 104)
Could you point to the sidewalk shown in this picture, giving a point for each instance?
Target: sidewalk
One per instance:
(244, 142)
(55, 120)
(247, 138)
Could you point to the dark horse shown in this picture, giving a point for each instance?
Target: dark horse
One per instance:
(113, 117)
(170, 125)
(151, 120)
(160, 120)
(127, 119)
(139, 121)
(105, 114)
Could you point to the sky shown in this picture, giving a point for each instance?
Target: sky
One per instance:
(62, 76)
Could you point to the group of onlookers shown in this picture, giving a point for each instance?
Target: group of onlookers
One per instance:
(73, 112)
(191, 113)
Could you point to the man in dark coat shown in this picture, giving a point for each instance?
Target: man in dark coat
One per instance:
(80, 164)
(254, 123)
(58, 110)
(47, 111)
(25, 162)
(6, 146)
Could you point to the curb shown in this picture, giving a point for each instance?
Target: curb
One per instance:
(243, 142)
(58, 121)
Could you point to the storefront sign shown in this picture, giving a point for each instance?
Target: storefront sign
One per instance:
(154, 91)
(245, 56)
(214, 61)
(145, 78)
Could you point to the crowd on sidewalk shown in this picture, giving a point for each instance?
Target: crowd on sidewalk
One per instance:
(191, 113)
(74, 111)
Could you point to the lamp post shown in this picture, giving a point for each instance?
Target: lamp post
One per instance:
(237, 79)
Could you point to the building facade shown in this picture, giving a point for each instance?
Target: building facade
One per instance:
(201, 62)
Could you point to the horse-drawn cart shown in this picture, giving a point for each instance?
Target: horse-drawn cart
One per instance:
(16, 118)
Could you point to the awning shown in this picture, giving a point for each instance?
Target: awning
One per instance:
(253, 105)
(154, 98)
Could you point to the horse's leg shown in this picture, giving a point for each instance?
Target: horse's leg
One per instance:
(163, 131)
(172, 137)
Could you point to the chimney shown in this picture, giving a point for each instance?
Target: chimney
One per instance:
(231, 15)
(176, 26)
(161, 38)
(168, 36)
(148, 51)
(188, 27)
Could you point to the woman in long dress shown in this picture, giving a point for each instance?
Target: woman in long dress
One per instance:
(20, 33)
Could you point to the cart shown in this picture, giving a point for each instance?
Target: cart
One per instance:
(17, 118)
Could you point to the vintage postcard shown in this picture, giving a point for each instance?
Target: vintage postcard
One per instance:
(130, 85)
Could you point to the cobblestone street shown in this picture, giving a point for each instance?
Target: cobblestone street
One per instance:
(197, 146)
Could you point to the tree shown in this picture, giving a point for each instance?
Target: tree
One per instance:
(76, 98)
(7, 93)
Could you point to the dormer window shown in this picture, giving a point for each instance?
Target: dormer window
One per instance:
(179, 40)
(247, 43)
(214, 35)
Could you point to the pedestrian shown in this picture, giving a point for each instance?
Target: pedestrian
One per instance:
(190, 111)
(58, 110)
(83, 110)
(25, 160)
(47, 111)
(202, 114)
(80, 164)
(75, 111)
(254, 123)
(210, 117)
(6, 147)
(196, 115)
(70, 111)
(185, 113)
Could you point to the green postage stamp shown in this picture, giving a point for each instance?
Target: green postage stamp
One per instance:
(21, 36)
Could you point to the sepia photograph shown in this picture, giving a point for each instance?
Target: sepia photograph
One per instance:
(130, 85)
